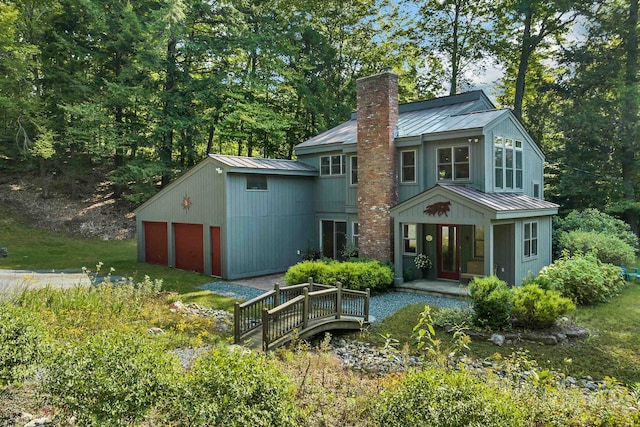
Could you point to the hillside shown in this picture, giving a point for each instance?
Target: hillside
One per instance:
(93, 213)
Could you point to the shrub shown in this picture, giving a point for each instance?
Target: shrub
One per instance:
(437, 397)
(234, 388)
(591, 220)
(583, 278)
(112, 378)
(492, 302)
(607, 247)
(452, 316)
(21, 336)
(353, 275)
(537, 308)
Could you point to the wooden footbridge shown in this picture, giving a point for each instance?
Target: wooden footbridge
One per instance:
(303, 310)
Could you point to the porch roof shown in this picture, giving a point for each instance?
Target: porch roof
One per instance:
(469, 205)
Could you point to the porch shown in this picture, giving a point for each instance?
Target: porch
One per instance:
(448, 288)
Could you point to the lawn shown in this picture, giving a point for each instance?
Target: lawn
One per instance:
(612, 350)
(36, 249)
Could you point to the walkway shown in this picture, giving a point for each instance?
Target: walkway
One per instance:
(19, 280)
(380, 306)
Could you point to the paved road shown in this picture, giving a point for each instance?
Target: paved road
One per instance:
(18, 280)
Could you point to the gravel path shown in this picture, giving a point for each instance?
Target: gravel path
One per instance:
(380, 306)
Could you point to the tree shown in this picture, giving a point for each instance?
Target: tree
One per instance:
(454, 32)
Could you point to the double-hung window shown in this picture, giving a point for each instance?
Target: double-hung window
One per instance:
(530, 239)
(409, 238)
(453, 163)
(507, 163)
(354, 170)
(408, 166)
(333, 165)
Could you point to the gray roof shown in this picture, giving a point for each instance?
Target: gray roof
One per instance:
(259, 165)
(500, 202)
(439, 115)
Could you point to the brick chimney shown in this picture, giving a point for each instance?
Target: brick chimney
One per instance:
(377, 116)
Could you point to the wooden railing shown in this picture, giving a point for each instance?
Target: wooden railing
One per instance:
(284, 310)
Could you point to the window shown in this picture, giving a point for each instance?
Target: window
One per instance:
(478, 241)
(356, 233)
(409, 238)
(257, 182)
(354, 170)
(530, 239)
(453, 163)
(507, 163)
(408, 166)
(536, 190)
(333, 165)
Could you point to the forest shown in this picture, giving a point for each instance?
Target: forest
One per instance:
(141, 90)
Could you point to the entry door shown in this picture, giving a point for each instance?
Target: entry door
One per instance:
(448, 252)
(334, 239)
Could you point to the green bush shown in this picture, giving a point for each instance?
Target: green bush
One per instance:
(583, 278)
(591, 220)
(21, 335)
(492, 302)
(452, 316)
(536, 308)
(437, 397)
(352, 275)
(113, 378)
(234, 388)
(608, 248)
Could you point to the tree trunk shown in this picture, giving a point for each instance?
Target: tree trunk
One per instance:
(170, 80)
(526, 49)
(454, 53)
(629, 117)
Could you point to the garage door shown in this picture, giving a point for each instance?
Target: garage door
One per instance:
(156, 246)
(216, 253)
(189, 246)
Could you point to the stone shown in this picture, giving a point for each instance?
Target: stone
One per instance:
(177, 306)
(155, 331)
(497, 339)
(38, 422)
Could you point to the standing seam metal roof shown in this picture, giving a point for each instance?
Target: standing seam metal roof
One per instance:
(263, 164)
(500, 202)
(444, 118)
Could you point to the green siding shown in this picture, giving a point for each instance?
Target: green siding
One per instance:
(266, 229)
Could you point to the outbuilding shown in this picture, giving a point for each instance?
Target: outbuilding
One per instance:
(230, 217)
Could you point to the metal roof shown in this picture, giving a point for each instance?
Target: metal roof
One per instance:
(501, 202)
(256, 163)
(426, 117)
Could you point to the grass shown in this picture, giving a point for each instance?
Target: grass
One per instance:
(612, 350)
(36, 249)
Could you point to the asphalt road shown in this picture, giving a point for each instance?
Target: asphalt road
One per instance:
(18, 280)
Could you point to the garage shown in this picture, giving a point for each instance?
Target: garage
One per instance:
(189, 246)
(156, 246)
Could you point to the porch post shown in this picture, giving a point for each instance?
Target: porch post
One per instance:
(488, 248)
(397, 253)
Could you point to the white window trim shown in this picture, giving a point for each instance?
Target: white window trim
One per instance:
(415, 167)
(354, 234)
(514, 149)
(343, 165)
(527, 242)
(351, 159)
(405, 239)
(453, 164)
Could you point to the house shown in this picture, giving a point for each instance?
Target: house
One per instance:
(453, 178)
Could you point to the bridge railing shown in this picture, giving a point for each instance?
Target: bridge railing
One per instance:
(298, 312)
(248, 315)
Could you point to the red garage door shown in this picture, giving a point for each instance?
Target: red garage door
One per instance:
(216, 254)
(156, 246)
(189, 246)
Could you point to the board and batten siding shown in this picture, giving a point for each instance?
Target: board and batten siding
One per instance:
(204, 187)
(526, 267)
(266, 229)
(533, 160)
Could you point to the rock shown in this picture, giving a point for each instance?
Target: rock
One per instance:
(177, 306)
(38, 422)
(4, 252)
(497, 339)
(155, 331)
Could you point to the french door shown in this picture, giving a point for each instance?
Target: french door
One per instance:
(449, 252)
(334, 239)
